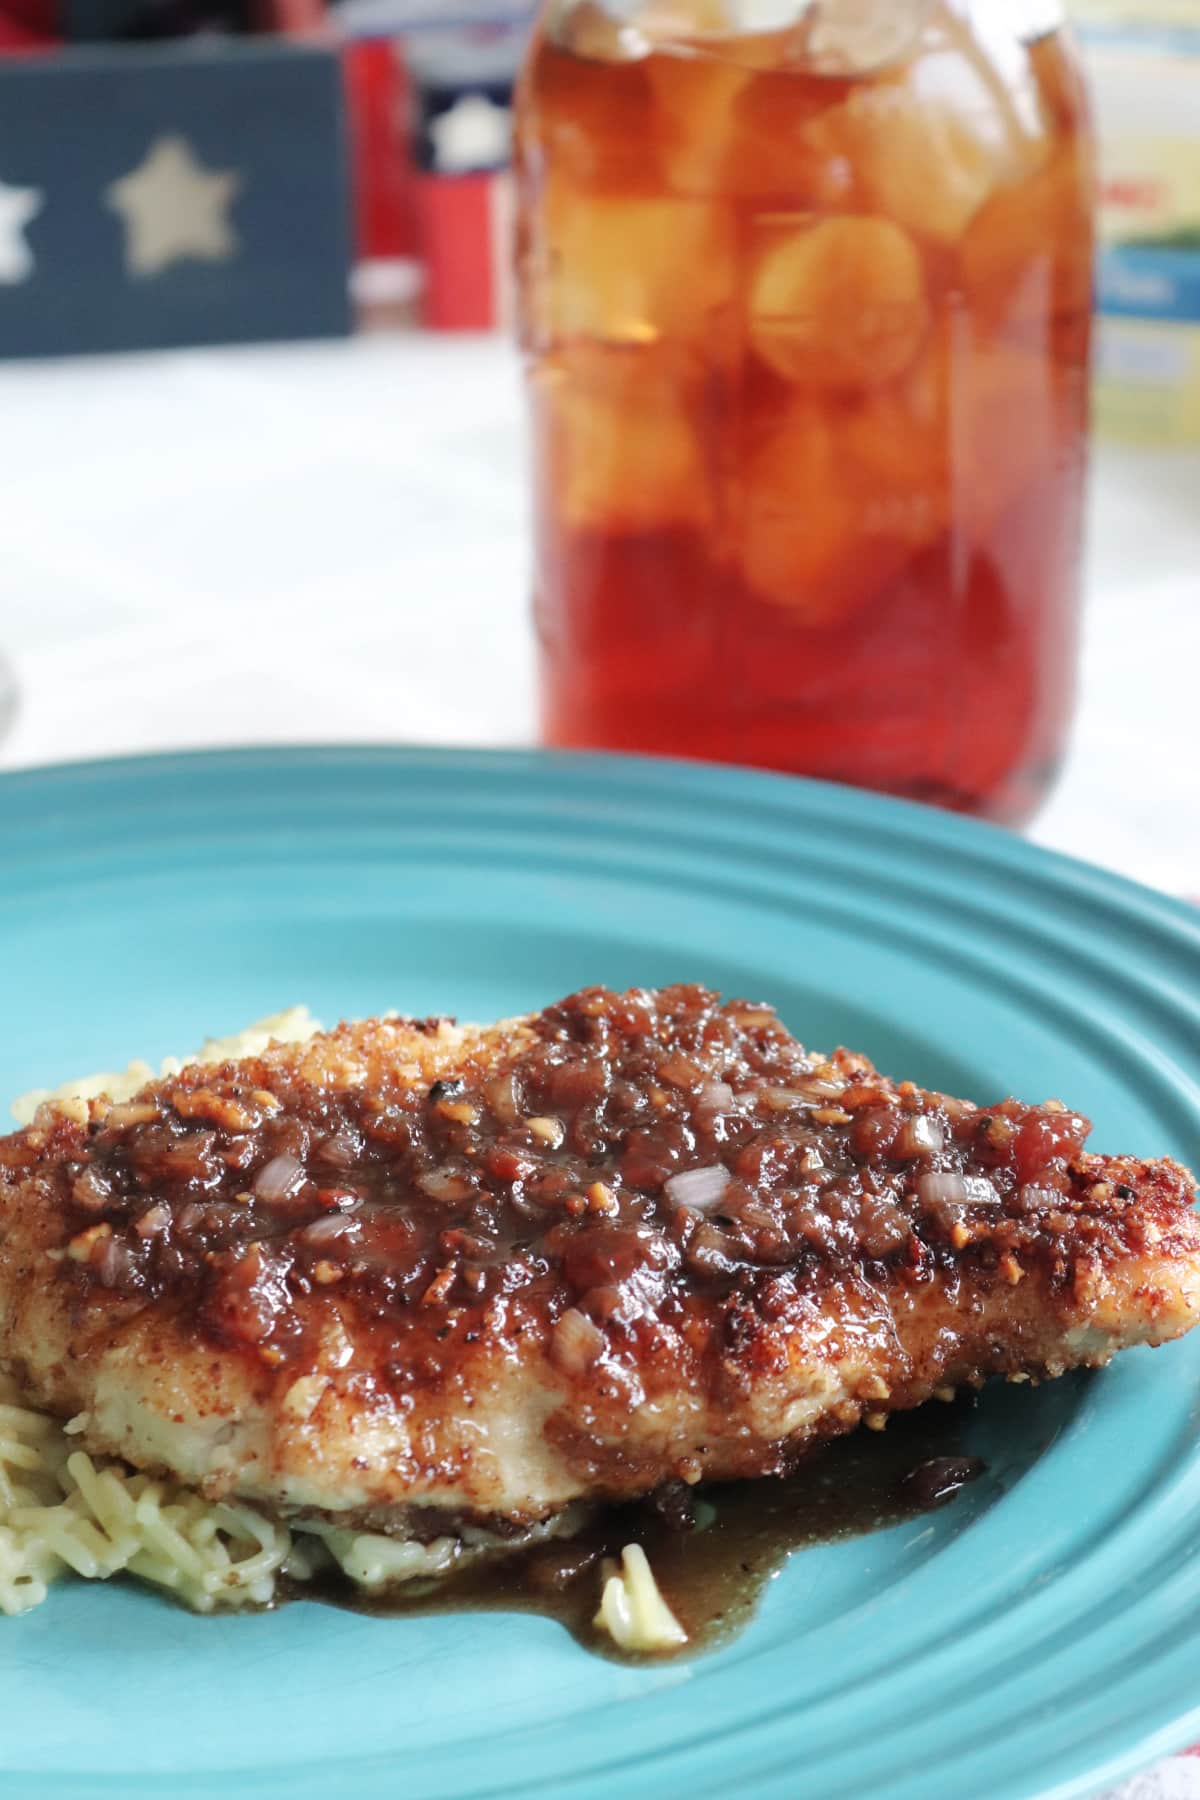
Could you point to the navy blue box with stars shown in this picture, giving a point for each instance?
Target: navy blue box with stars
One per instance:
(194, 192)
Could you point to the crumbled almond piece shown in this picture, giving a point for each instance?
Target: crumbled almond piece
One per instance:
(750, 1017)
(438, 1291)
(326, 1272)
(874, 1388)
(831, 1115)
(460, 1112)
(271, 1354)
(132, 1112)
(876, 1421)
(81, 1246)
(944, 1394)
(350, 1075)
(303, 1397)
(221, 1109)
(549, 1130)
(74, 1109)
(1011, 1269)
(601, 1199)
(960, 1235)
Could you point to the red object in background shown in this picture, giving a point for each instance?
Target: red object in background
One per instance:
(27, 25)
(464, 244)
(385, 197)
(37, 18)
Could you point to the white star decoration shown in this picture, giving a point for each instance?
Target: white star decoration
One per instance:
(173, 208)
(17, 207)
(474, 134)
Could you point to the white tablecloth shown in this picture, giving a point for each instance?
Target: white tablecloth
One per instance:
(329, 543)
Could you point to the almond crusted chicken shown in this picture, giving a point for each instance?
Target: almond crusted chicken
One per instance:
(421, 1278)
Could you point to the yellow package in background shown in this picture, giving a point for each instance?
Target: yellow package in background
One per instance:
(1144, 65)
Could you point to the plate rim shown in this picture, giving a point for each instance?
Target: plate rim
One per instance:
(912, 821)
(999, 841)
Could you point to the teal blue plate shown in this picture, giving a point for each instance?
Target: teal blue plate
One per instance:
(1042, 1635)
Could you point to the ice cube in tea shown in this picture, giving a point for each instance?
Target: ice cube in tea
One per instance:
(593, 34)
(840, 494)
(863, 37)
(804, 549)
(631, 271)
(731, 123)
(931, 142)
(622, 440)
(898, 437)
(837, 303)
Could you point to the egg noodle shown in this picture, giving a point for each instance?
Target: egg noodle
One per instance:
(64, 1510)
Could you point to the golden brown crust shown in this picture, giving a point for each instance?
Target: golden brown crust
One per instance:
(635, 1237)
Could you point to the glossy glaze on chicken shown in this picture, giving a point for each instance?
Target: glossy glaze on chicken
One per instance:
(412, 1273)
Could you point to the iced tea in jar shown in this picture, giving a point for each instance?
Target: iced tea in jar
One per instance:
(805, 301)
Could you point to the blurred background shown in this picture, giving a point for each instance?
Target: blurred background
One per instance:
(262, 465)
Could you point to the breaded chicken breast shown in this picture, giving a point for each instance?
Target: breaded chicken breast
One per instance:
(417, 1277)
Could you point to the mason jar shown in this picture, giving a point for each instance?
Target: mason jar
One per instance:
(805, 298)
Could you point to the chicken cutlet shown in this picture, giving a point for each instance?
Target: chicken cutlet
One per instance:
(415, 1277)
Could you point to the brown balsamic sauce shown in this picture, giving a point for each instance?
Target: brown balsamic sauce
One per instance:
(657, 1166)
(713, 1574)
